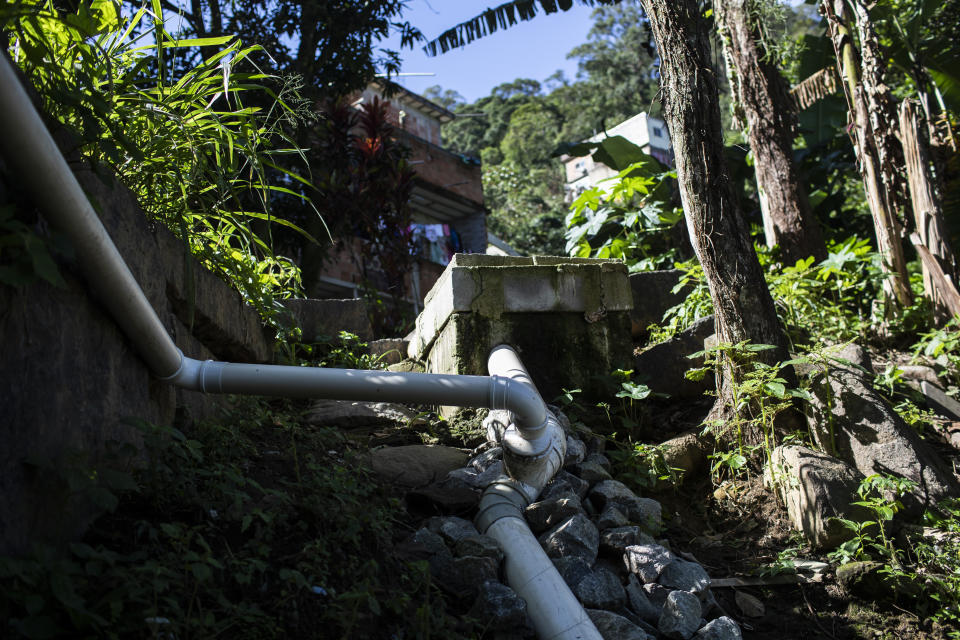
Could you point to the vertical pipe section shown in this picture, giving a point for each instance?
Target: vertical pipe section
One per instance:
(555, 612)
(33, 156)
(533, 452)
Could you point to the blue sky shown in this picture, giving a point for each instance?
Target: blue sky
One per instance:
(533, 49)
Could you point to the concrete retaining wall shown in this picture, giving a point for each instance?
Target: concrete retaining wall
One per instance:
(71, 384)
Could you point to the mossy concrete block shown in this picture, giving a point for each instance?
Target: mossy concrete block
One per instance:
(496, 288)
(560, 350)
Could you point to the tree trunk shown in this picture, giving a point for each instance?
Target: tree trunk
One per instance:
(764, 102)
(873, 136)
(939, 267)
(742, 303)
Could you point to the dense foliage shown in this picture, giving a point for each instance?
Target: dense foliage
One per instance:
(198, 158)
(259, 526)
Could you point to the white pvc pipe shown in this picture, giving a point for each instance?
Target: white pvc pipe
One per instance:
(33, 156)
(555, 612)
(532, 455)
(494, 392)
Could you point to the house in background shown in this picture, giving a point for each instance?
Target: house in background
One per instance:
(447, 199)
(647, 132)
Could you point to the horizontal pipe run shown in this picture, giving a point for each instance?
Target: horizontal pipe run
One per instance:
(210, 376)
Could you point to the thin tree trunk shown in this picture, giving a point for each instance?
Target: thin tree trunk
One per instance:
(939, 266)
(764, 101)
(874, 141)
(742, 303)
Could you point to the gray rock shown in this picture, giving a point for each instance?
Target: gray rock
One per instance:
(600, 459)
(595, 444)
(656, 593)
(470, 573)
(482, 462)
(817, 489)
(493, 472)
(347, 414)
(467, 476)
(416, 465)
(422, 544)
(939, 401)
(872, 581)
(652, 296)
(591, 471)
(601, 589)
(573, 569)
(749, 605)
(647, 560)
(686, 453)
(723, 628)
(450, 495)
(918, 373)
(647, 514)
(565, 483)
(501, 609)
(662, 366)
(870, 435)
(577, 536)
(613, 493)
(460, 577)
(388, 350)
(611, 517)
(709, 607)
(452, 528)
(579, 485)
(616, 540)
(685, 575)
(680, 617)
(643, 511)
(616, 627)
(480, 546)
(639, 603)
(597, 587)
(545, 514)
(561, 418)
(576, 451)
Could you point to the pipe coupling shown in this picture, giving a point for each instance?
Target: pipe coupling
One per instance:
(501, 499)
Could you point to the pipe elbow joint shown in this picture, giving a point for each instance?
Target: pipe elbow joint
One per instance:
(523, 401)
(196, 375)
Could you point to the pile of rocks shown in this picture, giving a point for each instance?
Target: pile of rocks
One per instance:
(601, 537)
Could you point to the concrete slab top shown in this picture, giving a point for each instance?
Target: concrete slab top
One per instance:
(494, 285)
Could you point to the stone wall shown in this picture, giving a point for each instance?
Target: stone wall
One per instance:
(71, 384)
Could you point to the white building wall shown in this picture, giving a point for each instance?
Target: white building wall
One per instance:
(647, 132)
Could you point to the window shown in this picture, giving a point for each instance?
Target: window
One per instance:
(657, 132)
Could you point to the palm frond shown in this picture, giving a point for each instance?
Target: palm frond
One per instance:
(815, 88)
(502, 17)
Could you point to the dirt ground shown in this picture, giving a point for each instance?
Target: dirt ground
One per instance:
(737, 529)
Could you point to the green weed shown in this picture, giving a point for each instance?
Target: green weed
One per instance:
(258, 527)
